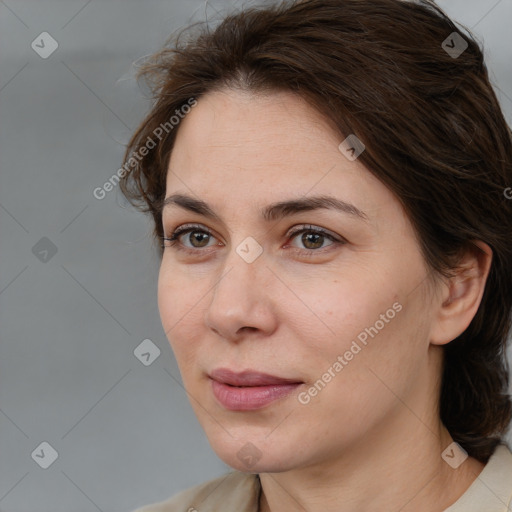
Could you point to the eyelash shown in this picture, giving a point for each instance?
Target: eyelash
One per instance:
(174, 242)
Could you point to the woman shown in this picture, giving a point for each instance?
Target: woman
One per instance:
(327, 181)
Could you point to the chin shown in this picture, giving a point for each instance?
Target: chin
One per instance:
(260, 466)
(255, 454)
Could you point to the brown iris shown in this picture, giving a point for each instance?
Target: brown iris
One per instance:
(199, 236)
(318, 240)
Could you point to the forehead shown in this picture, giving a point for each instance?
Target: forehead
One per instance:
(269, 134)
(229, 107)
(241, 148)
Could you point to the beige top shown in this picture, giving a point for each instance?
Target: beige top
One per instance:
(239, 492)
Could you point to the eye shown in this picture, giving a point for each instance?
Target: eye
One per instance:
(313, 238)
(199, 239)
(193, 239)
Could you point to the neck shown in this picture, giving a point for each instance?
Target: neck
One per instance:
(398, 469)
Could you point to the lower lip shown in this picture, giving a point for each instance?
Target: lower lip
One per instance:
(250, 398)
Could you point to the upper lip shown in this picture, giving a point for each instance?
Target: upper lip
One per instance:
(248, 378)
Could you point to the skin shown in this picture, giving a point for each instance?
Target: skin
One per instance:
(372, 438)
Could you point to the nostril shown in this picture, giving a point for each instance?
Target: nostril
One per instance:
(246, 329)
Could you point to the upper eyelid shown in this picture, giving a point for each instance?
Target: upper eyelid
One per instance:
(309, 227)
(185, 229)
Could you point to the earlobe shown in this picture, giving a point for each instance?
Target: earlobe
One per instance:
(462, 295)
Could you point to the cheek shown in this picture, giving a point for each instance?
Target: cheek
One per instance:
(359, 382)
(369, 328)
(338, 312)
(179, 304)
(177, 296)
(168, 305)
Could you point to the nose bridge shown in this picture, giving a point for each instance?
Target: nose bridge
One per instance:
(242, 267)
(240, 297)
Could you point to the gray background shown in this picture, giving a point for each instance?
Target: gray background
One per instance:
(124, 432)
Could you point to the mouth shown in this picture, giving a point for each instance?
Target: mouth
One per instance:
(249, 390)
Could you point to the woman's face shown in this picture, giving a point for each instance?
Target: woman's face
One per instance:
(340, 319)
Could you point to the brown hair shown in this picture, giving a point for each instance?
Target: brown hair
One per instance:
(434, 135)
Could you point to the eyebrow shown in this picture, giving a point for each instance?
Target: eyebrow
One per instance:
(273, 211)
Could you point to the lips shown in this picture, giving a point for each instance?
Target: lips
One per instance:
(249, 390)
(248, 378)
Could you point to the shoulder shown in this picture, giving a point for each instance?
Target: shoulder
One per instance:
(492, 489)
(234, 491)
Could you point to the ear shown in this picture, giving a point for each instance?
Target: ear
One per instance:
(460, 297)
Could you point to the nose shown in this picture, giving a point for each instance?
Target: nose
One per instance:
(241, 300)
